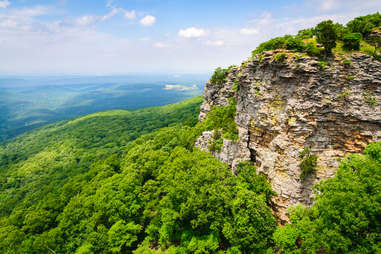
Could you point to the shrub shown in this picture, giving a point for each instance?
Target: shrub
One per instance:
(322, 65)
(236, 86)
(276, 43)
(349, 78)
(311, 49)
(326, 35)
(364, 24)
(280, 57)
(343, 95)
(306, 33)
(216, 142)
(219, 75)
(352, 41)
(294, 43)
(347, 63)
(308, 164)
(222, 118)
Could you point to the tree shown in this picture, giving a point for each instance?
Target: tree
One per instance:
(326, 35)
(352, 41)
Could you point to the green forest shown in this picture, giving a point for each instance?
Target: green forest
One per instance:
(132, 182)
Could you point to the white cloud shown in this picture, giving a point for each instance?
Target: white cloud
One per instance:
(8, 23)
(87, 20)
(192, 32)
(111, 14)
(148, 20)
(161, 45)
(328, 5)
(130, 14)
(345, 5)
(216, 43)
(4, 4)
(248, 31)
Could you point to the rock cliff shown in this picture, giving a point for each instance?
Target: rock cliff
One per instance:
(286, 104)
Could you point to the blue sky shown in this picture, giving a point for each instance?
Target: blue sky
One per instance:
(105, 37)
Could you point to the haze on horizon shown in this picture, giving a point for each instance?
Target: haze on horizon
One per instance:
(66, 37)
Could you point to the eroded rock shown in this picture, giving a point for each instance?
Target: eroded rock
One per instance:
(285, 107)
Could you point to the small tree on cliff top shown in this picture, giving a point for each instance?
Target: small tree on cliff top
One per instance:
(326, 35)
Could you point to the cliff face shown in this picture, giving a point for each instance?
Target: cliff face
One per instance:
(286, 106)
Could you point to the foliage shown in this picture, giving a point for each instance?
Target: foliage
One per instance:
(222, 118)
(294, 43)
(308, 164)
(311, 49)
(236, 86)
(352, 41)
(216, 142)
(346, 215)
(364, 24)
(347, 63)
(322, 65)
(280, 57)
(306, 33)
(62, 192)
(350, 77)
(220, 74)
(326, 35)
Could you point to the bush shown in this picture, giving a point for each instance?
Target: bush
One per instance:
(222, 118)
(364, 24)
(352, 41)
(276, 43)
(312, 50)
(308, 164)
(294, 43)
(322, 65)
(326, 35)
(280, 57)
(219, 75)
(306, 33)
(347, 63)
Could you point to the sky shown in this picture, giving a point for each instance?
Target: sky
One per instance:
(113, 37)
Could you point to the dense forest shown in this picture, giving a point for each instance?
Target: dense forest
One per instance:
(123, 182)
(133, 182)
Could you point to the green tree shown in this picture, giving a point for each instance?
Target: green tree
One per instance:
(326, 35)
(352, 41)
(122, 235)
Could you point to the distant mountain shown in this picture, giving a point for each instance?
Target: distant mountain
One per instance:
(30, 102)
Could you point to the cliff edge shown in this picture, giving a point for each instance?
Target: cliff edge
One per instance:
(291, 107)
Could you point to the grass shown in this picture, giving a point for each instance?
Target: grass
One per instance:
(280, 57)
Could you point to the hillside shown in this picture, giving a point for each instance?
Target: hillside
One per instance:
(157, 180)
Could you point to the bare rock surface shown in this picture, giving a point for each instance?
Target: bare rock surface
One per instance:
(284, 107)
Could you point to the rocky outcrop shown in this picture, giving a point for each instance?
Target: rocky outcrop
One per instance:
(286, 106)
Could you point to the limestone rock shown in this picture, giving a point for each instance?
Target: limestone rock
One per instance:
(284, 107)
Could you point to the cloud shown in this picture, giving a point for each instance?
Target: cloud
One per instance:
(192, 32)
(248, 31)
(148, 20)
(87, 20)
(4, 4)
(161, 45)
(111, 14)
(216, 43)
(343, 5)
(130, 14)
